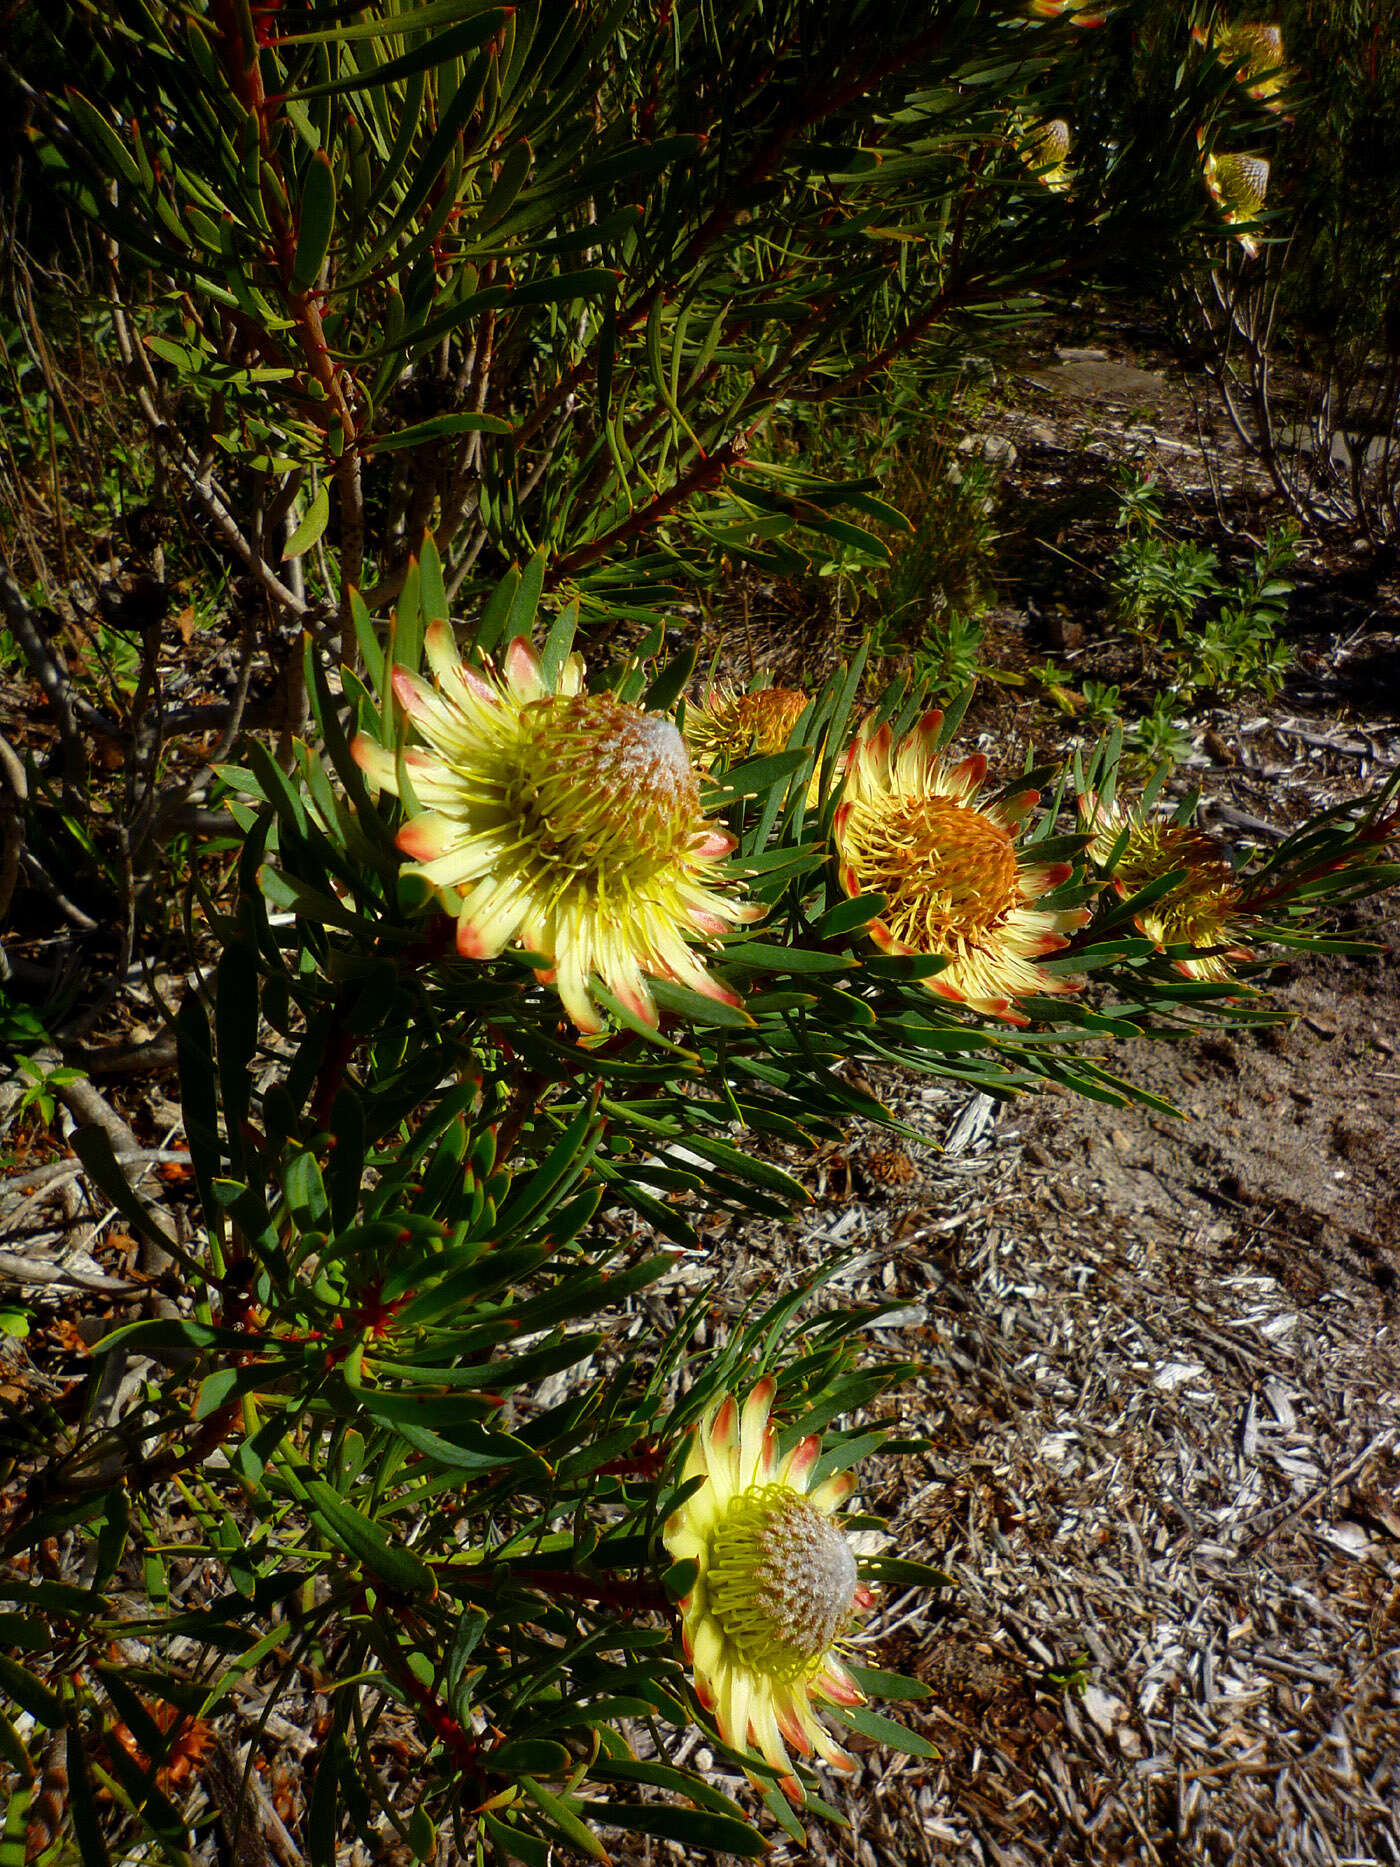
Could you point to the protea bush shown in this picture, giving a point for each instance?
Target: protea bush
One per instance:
(460, 341)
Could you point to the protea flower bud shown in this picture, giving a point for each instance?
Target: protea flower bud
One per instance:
(1045, 151)
(1255, 48)
(1202, 912)
(1238, 185)
(727, 723)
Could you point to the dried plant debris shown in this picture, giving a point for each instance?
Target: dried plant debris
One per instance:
(1162, 1485)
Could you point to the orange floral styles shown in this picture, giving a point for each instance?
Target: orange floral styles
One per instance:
(1197, 920)
(912, 828)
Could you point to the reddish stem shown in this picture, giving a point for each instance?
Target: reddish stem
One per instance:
(704, 473)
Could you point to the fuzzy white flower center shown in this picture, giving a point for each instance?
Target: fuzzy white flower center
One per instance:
(781, 1580)
(603, 790)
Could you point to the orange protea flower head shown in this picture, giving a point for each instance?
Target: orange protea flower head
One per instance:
(1044, 149)
(728, 723)
(775, 1588)
(565, 822)
(1201, 912)
(1238, 185)
(1255, 48)
(910, 827)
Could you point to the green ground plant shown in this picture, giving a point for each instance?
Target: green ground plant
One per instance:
(1223, 633)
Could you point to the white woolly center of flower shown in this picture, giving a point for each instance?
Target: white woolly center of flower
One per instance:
(781, 1580)
(602, 790)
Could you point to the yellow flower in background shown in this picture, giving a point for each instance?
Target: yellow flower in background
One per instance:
(909, 827)
(727, 723)
(1203, 909)
(775, 1589)
(1044, 149)
(567, 823)
(1079, 12)
(1238, 186)
(1255, 47)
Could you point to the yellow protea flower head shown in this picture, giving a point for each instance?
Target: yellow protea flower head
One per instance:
(568, 823)
(728, 723)
(1201, 911)
(909, 827)
(1238, 185)
(775, 1588)
(1255, 48)
(1044, 148)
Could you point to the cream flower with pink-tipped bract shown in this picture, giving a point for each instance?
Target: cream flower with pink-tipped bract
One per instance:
(775, 1587)
(1255, 49)
(567, 823)
(910, 827)
(1238, 185)
(1078, 12)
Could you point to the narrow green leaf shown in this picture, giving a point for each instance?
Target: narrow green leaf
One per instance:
(558, 644)
(515, 166)
(696, 1008)
(113, 155)
(885, 1731)
(345, 1168)
(315, 224)
(94, 1150)
(30, 1693)
(607, 356)
(846, 916)
(14, 1837)
(531, 1756)
(500, 605)
(880, 1684)
(526, 600)
(515, 1843)
(435, 428)
(693, 1828)
(359, 1536)
(561, 1813)
(236, 1033)
(199, 1102)
(473, 1449)
(765, 956)
(87, 1822)
(663, 1776)
(323, 1810)
(313, 523)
